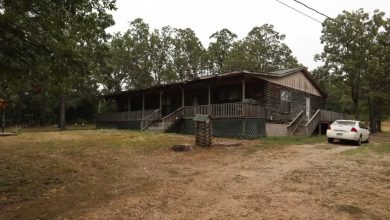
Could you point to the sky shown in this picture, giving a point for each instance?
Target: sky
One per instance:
(208, 16)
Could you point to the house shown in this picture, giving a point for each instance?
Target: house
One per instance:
(241, 104)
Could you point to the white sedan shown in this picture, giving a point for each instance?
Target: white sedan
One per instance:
(348, 130)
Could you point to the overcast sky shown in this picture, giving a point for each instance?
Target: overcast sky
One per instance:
(208, 16)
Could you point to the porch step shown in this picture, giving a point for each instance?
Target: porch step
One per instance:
(301, 130)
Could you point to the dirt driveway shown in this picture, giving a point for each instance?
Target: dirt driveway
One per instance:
(248, 182)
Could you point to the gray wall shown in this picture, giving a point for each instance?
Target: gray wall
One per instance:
(298, 103)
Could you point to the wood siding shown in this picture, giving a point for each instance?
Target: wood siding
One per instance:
(296, 81)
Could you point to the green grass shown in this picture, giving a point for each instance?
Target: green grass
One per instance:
(46, 174)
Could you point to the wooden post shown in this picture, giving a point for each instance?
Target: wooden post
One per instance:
(143, 104)
(209, 94)
(161, 93)
(209, 100)
(319, 129)
(243, 90)
(129, 104)
(243, 97)
(182, 97)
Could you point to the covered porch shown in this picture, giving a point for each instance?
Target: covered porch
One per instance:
(228, 97)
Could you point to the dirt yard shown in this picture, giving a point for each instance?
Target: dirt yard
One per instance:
(132, 175)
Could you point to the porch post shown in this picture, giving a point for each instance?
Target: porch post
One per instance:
(243, 90)
(161, 93)
(243, 97)
(129, 104)
(209, 100)
(143, 104)
(209, 97)
(128, 108)
(182, 96)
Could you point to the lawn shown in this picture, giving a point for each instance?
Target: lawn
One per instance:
(103, 174)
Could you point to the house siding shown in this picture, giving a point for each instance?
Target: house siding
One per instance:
(298, 103)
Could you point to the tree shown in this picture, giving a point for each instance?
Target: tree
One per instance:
(188, 54)
(219, 50)
(53, 41)
(356, 54)
(262, 50)
(161, 55)
(137, 47)
(345, 40)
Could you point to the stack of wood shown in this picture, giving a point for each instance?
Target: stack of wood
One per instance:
(203, 130)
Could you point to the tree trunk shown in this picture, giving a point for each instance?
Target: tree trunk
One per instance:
(62, 112)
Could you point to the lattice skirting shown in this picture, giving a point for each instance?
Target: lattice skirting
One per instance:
(227, 127)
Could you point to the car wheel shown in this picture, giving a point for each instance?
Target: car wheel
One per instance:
(359, 142)
(330, 140)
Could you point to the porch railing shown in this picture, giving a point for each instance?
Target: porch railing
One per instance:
(149, 119)
(313, 122)
(226, 110)
(330, 116)
(294, 124)
(170, 119)
(124, 116)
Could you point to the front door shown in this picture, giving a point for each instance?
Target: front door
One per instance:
(308, 108)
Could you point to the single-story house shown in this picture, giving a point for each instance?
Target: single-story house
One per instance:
(241, 104)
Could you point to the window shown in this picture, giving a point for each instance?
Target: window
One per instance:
(285, 101)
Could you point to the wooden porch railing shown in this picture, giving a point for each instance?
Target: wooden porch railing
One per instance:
(225, 110)
(313, 122)
(294, 124)
(149, 119)
(170, 119)
(330, 116)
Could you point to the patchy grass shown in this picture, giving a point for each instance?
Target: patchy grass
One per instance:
(380, 144)
(351, 209)
(71, 170)
(50, 128)
(293, 140)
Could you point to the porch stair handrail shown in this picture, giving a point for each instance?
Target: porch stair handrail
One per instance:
(313, 122)
(294, 124)
(171, 118)
(147, 120)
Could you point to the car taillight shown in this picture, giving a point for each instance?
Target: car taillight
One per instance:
(353, 130)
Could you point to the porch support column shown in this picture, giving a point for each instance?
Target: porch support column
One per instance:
(129, 104)
(209, 94)
(209, 99)
(143, 104)
(161, 93)
(182, 96)
(243, 97)
(243, 90)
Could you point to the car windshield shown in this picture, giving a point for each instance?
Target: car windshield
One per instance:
(349, 123)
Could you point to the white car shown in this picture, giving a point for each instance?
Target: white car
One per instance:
(348, 130)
